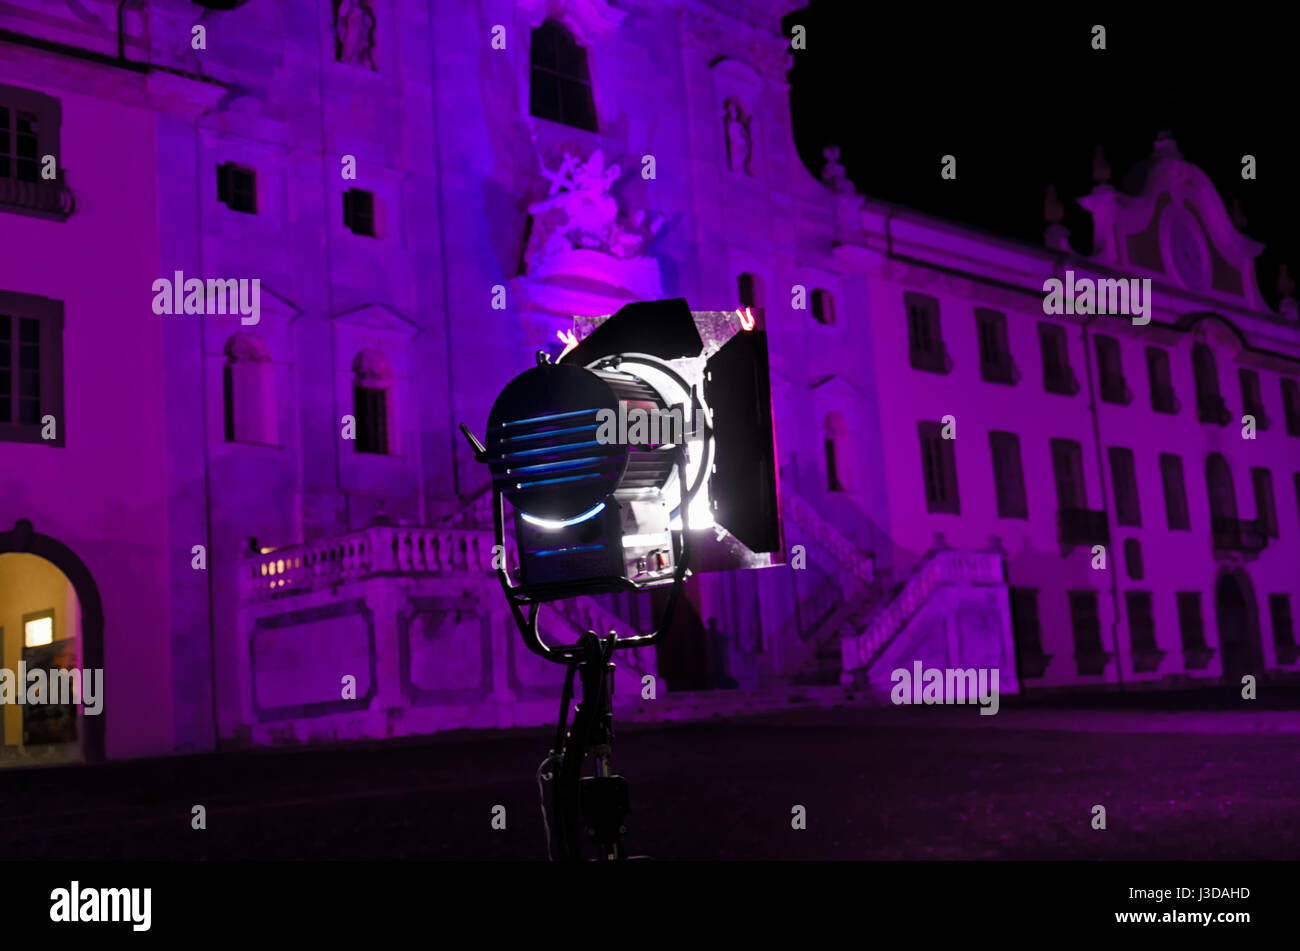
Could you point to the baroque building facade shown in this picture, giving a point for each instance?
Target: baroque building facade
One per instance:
(269, 529)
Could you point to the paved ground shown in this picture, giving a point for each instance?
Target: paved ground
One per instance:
(902, 783)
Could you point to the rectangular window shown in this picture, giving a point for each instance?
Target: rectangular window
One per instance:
(31, 369)
(750, 289)
(1190, 621)
(1067, 467)
(1008, 475)
(237, 187)
(1141, 621)
(1162, 381)
(939, 469)
(924, 337)
(832, 470)
(1279, 608)
(359, 212)
(995, 352)
(1265, 504)
(1086, 622)
(1291, 405)
(372, 419)
(1058, 377)
(1171, 475)
(29, 131)
(1025, 625)
(1123, 474)
(1252, 401)
(1110, 371)
(823, 307)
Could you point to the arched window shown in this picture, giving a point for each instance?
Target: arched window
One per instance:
(560, 82)
(1210, 407)
(372, 403)
(248, 391)
(1218, 481)
(836, 457)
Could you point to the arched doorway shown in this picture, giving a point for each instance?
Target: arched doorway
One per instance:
(1237, 615)
(46, 557)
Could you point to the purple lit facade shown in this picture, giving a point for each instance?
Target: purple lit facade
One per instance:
(475, 229)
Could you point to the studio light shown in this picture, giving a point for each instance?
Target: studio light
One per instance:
(643, 453)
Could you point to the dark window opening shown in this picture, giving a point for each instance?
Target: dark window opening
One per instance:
(1191, 622)
(372, 419)
(1279, 609)
(926, 349)
(1252, 400)
(1210, 405)
(1110, 371)
(359, 212)
(1025, 625)
(560, 88)
(833, 483)
(1085, 622)
(823, 307)
(939, 469)
(1171, 475)
(1163, 399)
(1291, 405)
(237, 187)
(1058, 376)
(1133, 558)
(1141, 621)
(1123, 473)
(996, 365)
(1067, 467)
(1265, 503)
(1008, 475)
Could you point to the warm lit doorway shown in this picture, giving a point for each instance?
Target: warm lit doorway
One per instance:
(40, 633)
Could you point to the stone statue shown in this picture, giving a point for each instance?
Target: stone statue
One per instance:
(740, 145)
(354, 32)
(833, 173)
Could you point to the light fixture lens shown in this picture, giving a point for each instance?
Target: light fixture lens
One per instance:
(550, 523)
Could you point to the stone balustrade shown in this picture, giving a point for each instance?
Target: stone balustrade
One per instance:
(380, 549)
(940, 568)
(859, 563)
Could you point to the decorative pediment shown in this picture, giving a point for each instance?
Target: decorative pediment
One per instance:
(378, 317)
(837, 389)
(276, 307)
(1171, 221)
(590, 20)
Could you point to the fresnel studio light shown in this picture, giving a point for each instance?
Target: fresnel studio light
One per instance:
(643, 453)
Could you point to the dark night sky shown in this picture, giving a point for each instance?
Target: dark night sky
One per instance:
(1024, 101)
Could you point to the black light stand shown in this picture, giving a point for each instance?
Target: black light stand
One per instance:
(599, 804)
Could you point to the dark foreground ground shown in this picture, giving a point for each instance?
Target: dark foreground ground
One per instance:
(903, 783)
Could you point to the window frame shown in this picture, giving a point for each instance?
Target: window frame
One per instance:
(1124, 482)
(1053, 338)
(1171, 466)
(50, 199)
(1160, 379)
(938, 469)
(48, 314)
(1008, 464)
(586, 121)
